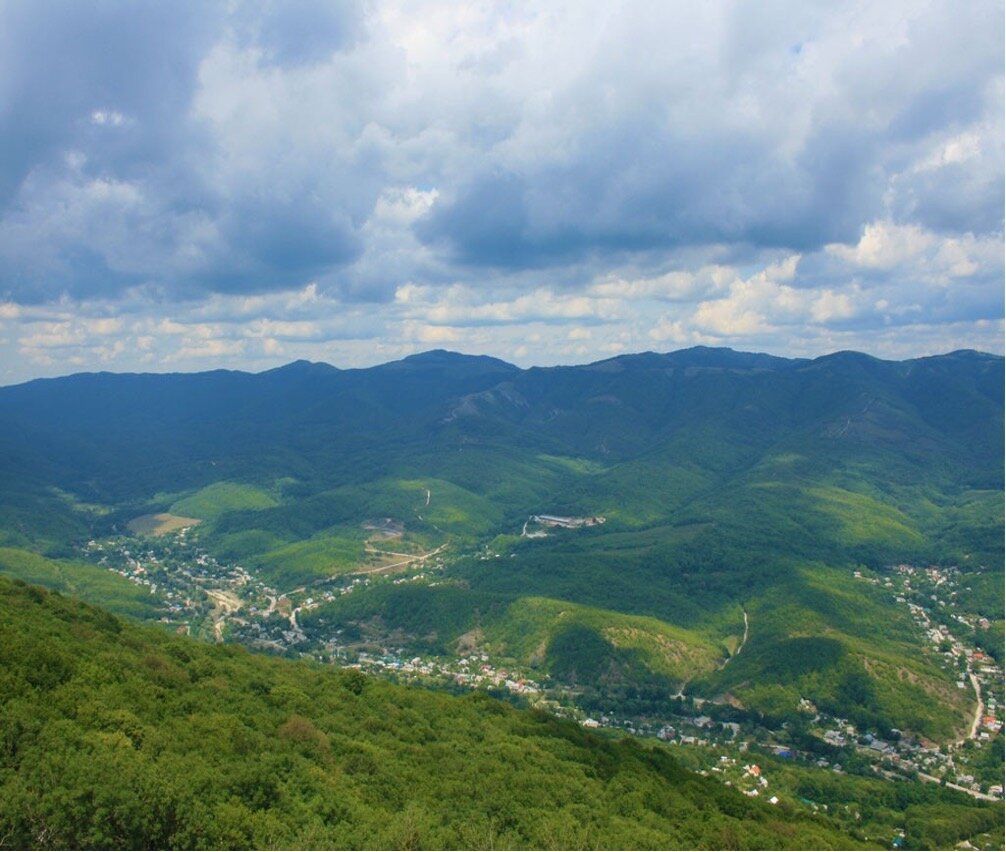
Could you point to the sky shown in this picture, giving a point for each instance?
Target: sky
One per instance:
(195, 185)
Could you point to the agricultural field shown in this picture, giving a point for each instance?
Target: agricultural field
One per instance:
(161, 523)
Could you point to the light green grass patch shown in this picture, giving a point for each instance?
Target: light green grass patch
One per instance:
(160, 524)
(583, 467)
(213, 500)
(326, 556)
(451, 508)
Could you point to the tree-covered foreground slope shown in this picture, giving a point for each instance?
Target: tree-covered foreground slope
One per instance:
(740, 494)
(119, 736)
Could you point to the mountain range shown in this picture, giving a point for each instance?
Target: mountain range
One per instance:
(746, 512)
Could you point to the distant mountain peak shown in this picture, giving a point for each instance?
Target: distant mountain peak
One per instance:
(303, 366)
(710, 357)
(446, 358)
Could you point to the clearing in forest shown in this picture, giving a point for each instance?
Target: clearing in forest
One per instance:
(160, 524)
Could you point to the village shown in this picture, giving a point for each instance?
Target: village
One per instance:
(201, 596)
(930, 595)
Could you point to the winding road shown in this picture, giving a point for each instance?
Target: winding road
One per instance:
(744, 640)
(745, 637)
(228, 603)
(681, 689)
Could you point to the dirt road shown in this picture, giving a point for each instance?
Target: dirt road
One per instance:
(380, 569)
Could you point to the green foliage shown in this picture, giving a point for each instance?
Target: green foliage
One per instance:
(113, 736)
(39, 519)
(87, 582)
(983, 592)
(452, 509)
(841, 645)
(220, 497)
(572, 634)
(431, 618)
(865, 520)
(303, 561)
(933, 816)
(728, 480)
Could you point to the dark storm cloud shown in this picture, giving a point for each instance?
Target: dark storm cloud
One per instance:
(103, 178)
(61, 62)
(762, 143)
(280, 244)
(636, 190)
(670, 172)
(956, 198)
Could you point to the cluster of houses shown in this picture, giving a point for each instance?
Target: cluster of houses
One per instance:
(474, 671)
(930, 596)
(749, 777)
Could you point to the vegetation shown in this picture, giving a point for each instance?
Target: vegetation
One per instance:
(221, 497)
(731, 485)
(926, 816)
(166, 743)
(87, 582)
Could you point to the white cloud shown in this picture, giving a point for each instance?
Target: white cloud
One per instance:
(462, 306)
(201, 349)
(926, 255)
(885, 245)
(675, 286)
(111, 117)
(545, 183)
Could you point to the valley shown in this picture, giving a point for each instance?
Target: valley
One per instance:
(745, 562)
(494, 425)
(203, 597)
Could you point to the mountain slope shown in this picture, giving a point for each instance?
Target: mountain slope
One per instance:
(729, 482)
(115, 736)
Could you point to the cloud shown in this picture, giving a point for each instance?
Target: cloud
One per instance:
(674, 286)
(370, 176)
(292, 34)
(888, 253)
(747, 141)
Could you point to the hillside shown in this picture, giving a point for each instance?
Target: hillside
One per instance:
(116, 736)
(742, 495)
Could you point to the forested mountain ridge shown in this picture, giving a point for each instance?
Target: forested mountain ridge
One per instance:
(614, 409)
(739, 493)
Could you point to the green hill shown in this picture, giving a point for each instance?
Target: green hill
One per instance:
(728, 481)
(115, 736)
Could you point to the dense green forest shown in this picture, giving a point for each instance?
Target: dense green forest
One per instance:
(117, 736)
